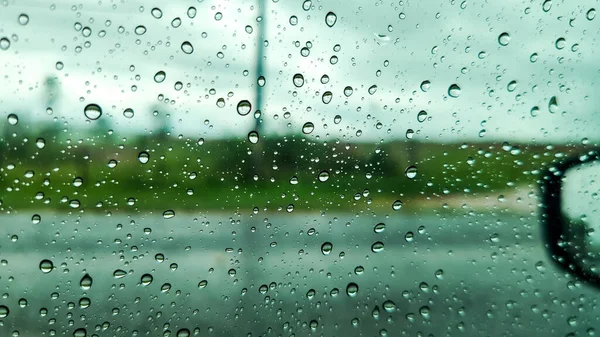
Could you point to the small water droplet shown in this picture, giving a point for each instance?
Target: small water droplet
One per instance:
(512, 85)
(389, 306)
(92, 111)
(253, 137)
(140, 30)
(377, 247)
(146, 279)
(348, 91)
(425, 85)
(23, 19)
(323, 176)
(396, 205)
(78, 181)
(86, 282)
(330, 19)
(176, 22)
(337, 119)
(168, 214)
(411, 172)
(591, 14)
(298, 80)
(143, 157)
(4, 43)
(187, 47)
(244, 107)
(119, 273)
(81, 332)
(202, 284)
(221, 102)
(74, 203)
(352, 289)
(12, 119)
(261, 81)
(504, 39)
(560, 43)
(4, 312)
(293, 20)
(380, 227)
(326, 248)
(35, 219)
(425, 313)
(372, 89)
(308, 128)
(160, 76)
(547, 5)
(422, 116)
(128, 113)
(191, 12)
(156, 13)
(327, 96)
(84, 302)
(553, 105)
(410, 133)
(40, 143)
(46, 266)
(454, 91)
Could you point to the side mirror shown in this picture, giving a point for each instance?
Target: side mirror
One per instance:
(570, 215)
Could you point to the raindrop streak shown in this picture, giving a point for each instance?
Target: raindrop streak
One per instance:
(330, 19)
(377, 247)
(308, 128)
(12, 119)
(143, 157)
(253, 137)
(86, 282)
(187, 47)
(323, 176)
(160, 76)
(425, 85)
(397, 205)
(352, 289)
(92, 111)
(244, 107)
(326, 248)
(454, 91)
(504, 39)
(298, 80)
(411, 172)
(46, 266)
(168, 214)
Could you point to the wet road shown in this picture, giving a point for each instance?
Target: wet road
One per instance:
(457, 273)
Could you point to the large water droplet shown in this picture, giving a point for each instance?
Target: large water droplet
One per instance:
(380, 227)
(422, 116)
(504, 39)
(512, 85)
(84, 302)
(553, 105)
(160, 76)
(330, 19)
(454, 91)
(4, 311)
(560, 43)
(308, 128)
(327, 96)
(92, 111)
(202, 284)
(191, 12)
(396, 205)
(591, 14)
(35, 219)
(253, 137)
(143, 157)
(23, 19)
(128, 113)
(298, 80)
(183, 333)
(168, 214)
(119, 273)
(348, 91)
(244, 107)
(140, 30)
(156, 13)
(323, 176)
(146, 279)
(352, 289)
(81, 332)
(187, 47)
(326, 248)
(411, 172)
(12, 119)
(4, 43)
(40, 143)
(377, 247)
(372, 89)
(425, 85)
(86, 282)
(46, 266)
(389, 306)
(176, 22)
(547, 5)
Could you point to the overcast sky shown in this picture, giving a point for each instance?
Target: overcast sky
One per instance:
(394, 45)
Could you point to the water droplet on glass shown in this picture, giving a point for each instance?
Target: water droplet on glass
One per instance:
(35, 219)
(4, 43)
(337, 119)
(86, 282)
(293, 20)
(410, 133)
(396, 205)
(92, 111)
(546, 5)
(261, 81)
(156, 13)
(244, 107)
(202, 284)
(389, 306)
(191, 12)
(84, 302)
(533, 57)
(46, 266)
(160, 76)
(512, 85)
(307, 128)
(352, 289)
(143, 157)
(425, 85)
(140, 30)
(128, 113)
(560, 43)
(183, 333)
(81, 332)
(253, 137)
(454, 91)
(74, 203)
(4, 311)
(249, 29)
(504, 39)
(553, 105)
(22, 302)
(380, 227)
(146, 279)
(323, 176)
(119, 273)
(218, 16)
(348, 91)
(23, 19)
(327, 96)
(411, 172)
(112, 163)
(372, 89)
(187, 47)
(298, 80)
(221, 102)
(326, 248)
(377, 247)
(78, 181)
(591, 14)
(176, 22)
(422, 116)
(12, 119)
(330, 19)
(168, 214)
